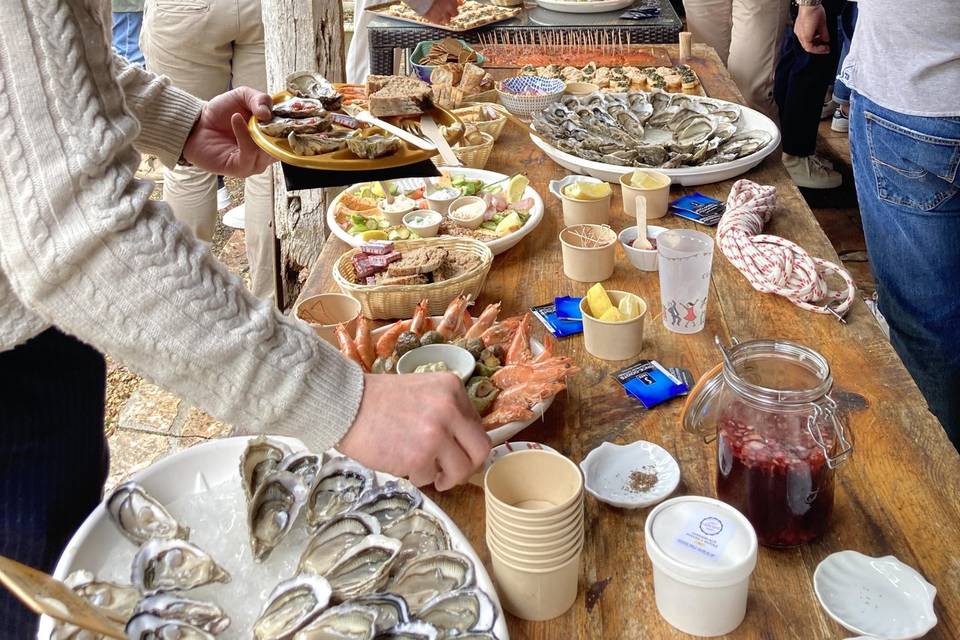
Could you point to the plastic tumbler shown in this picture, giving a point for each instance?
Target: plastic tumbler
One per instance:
(684, 258)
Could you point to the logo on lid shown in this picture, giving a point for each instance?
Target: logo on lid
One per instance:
(711, 526)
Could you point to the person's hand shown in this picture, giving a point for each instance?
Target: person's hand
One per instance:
(811, 30)
(443, 10)
(220, 142)
(422, 427)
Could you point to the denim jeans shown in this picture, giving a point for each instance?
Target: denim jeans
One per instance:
(906, 169)
(845, 26)
(126, 35)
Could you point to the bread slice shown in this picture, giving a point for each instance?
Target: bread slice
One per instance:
(419, 261)
(397, 96)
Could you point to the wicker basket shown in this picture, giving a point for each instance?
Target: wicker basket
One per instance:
(513, 94)
(386, 302)
(473, 156)
(469, 112)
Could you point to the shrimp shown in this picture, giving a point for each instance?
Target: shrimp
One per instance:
(365, 343)
(504, 415)
(530, 393)
(485, 321)
(388, 341)
(547, 353)
(552, 370)
(502, 332)
(452, 317)
(519, 351)
(420, 318)
(348, 347)
(466, 320)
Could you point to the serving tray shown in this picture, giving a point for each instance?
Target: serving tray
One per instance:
(382, 10)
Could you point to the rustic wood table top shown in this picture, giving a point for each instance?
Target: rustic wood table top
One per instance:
(898, 494)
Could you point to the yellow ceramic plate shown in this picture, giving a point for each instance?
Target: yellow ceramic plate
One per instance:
(344, 160)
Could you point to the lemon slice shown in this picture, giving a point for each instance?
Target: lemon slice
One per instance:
(509, 224)
(643, 180)
(629, 307)
(515, 188)
(598, 300)
(376, 234)
(612, 315)
(594, 190)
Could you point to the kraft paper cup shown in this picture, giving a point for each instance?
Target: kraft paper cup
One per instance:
(536, 522)
(533, 594)
(531, 533)
(589, 252)
(325, 311)
(536, 553)
(658, 198)
(576, 211)
(613, 340)
(524, 563)
(533, 484)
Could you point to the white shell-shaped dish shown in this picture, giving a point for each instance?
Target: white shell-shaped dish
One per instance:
(880, 597)
(607, 469)
(497, 246)
(193, 471)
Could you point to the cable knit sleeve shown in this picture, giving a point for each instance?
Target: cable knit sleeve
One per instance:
(84, 247)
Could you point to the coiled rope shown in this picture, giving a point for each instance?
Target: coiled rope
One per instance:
(772, 264)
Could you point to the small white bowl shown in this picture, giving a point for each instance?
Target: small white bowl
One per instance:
(880, 597)
(473, 221)
(607, 469)
(427, 230)
(643, 259)
(458, 360)
(401, 206)
(441, 199)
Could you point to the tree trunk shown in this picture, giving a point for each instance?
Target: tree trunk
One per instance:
(301, 35)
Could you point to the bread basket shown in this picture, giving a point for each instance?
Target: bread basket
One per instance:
(474, 156)
(386, 302)
(525, 96)
(470, 112)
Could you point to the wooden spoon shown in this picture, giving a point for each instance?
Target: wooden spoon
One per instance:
(642, 242)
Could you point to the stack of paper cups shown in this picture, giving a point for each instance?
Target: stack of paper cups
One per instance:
(534, 503)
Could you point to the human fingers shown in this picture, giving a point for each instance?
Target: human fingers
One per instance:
(256, 102)
(455, 466)
(469, 433)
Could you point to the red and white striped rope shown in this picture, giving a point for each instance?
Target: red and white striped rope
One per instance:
(772, 264)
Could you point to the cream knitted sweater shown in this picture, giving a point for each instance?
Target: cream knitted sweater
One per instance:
(83, 247)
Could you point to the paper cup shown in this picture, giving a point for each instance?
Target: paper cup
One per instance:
(685, 260)
(325, 311)
(581, 211)
(613, 340)
(658, 198)
(585, 260)
(533, 565)
(535, 533)
(537, 522)
(533, 594)
(535, 553)
(534, 484)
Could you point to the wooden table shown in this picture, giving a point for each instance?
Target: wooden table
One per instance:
(899, 494)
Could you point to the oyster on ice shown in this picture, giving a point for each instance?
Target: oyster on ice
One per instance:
(146, 626)
(304, 464)
(339, 485)
(140, 517)
(391, 609)
(343, 622)
(311, 144)
(291, 605)
(373, 146)
(203, 615)
(118, 601)
(173, 565)
(413, 630)
(333, 539)
(310, 84)
(364, 567)
(425, 577)
(460, 611)
(261, 457)
(273, 510)
(391, 501)
(419, 532)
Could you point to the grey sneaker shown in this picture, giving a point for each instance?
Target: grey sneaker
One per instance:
(828, 108)
(811, 172)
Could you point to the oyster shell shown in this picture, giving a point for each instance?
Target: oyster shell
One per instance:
(146, 626)
(203, 615)
(364, 567)
(391, 609)
(373, 146)
(414, 630)
(273, 510)
(173, 565)
(460, 611)
(261, 457)
(304, 464)
(419, 532)
(343, 622)
(339, 485)
(299, 108)
(139, 516)
(391, 501)
(291, 605)
(118, 601)
(427, 576)
(311, 144)
(695, 130)
(280, 127)
(333, 539)
(310, 84)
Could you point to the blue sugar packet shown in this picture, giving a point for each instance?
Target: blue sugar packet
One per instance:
(559, 327)
(568, 307)
(652, 384)
(699, 208)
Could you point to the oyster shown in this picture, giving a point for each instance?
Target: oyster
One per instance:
(364, 567)
(343, 622)
(394, 499)
(338, 487)
(261, 457)
(299, 108)
(460, 611)
(203, 615)
(146, 626)
(391, 609)
(427, 576)
(419, 532)
(310, 84)
(311, 144)
(173, 565)
(118, 601)
(333, 539)
(414, 630)
(280, 127)
(273, 510)
(304, 464)
(139, 516)
(373, 146)
(695, 130)
(477, 635)
(291, 606)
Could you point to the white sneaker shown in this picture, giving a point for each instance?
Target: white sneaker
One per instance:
(223, 198)
(841, 121)
(829, 106)
(811, 172)
(235, 217)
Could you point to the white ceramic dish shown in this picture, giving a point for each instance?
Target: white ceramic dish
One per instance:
(497, 246)
(504, 432)
(585, 6)
(194, 471)
(458, 360)
(607, 469)
(687, 176)
(880, 597)
(423, 223)
(643, 259)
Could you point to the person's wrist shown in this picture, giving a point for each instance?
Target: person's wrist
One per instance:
(808, 3)
(184, 161)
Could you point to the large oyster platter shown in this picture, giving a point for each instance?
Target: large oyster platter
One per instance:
(260, 538)
(692, 139)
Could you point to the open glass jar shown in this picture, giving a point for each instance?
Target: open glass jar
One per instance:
(778, 436)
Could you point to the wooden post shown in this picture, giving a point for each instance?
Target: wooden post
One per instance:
(300, 35)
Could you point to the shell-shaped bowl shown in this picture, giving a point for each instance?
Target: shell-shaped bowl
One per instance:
(880, 597)
(607, 469)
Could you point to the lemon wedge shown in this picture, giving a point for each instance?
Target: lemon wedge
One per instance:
(612, 315)
(598, 301)
(581, 190)
(509, 224)
(629, 307)
(376, 234)
(515, 188)
(643, 180)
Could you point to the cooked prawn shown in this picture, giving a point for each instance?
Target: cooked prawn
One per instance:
(419, 322)
(487, 317)
(364, 343)
(348, 347)
(453, 316)
(519, 351)
(466, 320)
(388, 341)
(552, 370)
(547, 353)
(502, 332)
(504, 415)
(530, 393)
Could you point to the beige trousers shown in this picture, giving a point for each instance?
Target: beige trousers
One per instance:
(205, 47)
(746, 35)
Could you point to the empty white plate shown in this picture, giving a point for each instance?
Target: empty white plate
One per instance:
(607, 473)
(880, 597)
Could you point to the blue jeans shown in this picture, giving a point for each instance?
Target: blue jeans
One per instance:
(126, 35)
(906, 169)
(845, 26)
